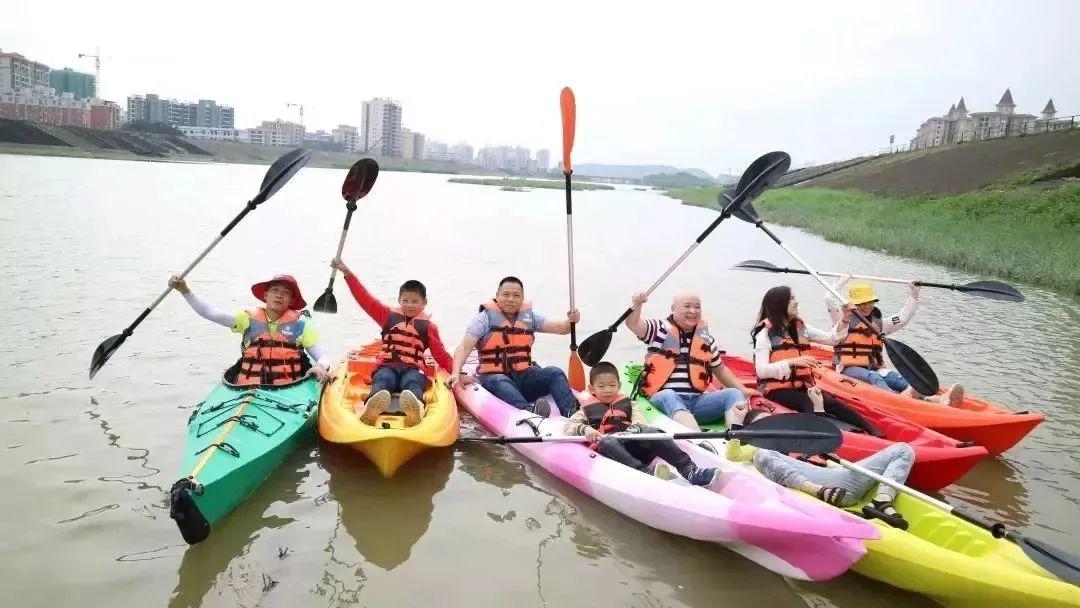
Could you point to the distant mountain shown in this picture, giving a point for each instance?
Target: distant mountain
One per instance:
(634, 171)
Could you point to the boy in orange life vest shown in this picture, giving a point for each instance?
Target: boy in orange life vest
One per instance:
(275, 336)
(606, 414)
(681, 360)
(406, 333)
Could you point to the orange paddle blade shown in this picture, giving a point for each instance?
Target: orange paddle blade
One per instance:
(569, 122)
(576, 372)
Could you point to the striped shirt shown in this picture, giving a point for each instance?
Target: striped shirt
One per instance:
(679, 381)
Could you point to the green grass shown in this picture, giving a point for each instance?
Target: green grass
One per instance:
(520, 185)
(1025, 233)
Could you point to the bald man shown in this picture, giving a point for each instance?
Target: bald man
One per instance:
(681, 360)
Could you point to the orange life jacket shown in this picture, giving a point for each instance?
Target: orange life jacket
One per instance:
(508, 345)
(661, 361)
(404, 340)
(862, 347)
(608, 418)
(275, 358)
(784, 348)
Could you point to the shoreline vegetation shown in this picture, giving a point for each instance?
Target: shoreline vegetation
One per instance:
(1023, 228)
(516, 184)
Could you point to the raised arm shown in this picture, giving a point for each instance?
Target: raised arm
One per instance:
(200, 307)
(634, 322)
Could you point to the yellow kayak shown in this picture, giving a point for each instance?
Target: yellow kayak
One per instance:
(388, 443)
(958, 564)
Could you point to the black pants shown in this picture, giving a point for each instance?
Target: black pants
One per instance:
(638, 454)
(798, 400)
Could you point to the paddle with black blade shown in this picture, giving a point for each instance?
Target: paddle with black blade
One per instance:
(908, 363)
(1061, 564)
(786, 433)
(575, 371)
(993, 290)
(357, 184)
(761, 174)
(277, 176)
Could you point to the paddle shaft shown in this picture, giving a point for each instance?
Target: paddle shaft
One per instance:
(871, 278)
(350, 207)
(746, 434)
(629, 311)
(570, 254)
(145, 313)
(998, 530)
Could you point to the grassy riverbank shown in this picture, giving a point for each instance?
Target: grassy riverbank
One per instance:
(1025, 232)
(522, 185)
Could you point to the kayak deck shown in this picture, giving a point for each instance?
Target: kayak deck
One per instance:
(388, 444)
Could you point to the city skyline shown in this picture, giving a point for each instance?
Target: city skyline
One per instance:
(714, 88)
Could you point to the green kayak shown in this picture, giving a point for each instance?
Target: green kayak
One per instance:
(236, 438)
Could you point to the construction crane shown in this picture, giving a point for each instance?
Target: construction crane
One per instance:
(97, 69)
(297, 105)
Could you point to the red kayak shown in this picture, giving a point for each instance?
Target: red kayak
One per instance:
(976, 420)
(939, 460)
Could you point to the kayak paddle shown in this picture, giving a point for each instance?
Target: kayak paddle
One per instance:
(276, 176)
(1061, 564)
(761, 174)
(359, 181)
(785, 433)
(567, 105)
(909, 363)
(994, 290)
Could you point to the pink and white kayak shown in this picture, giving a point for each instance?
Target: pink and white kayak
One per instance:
(745, 512)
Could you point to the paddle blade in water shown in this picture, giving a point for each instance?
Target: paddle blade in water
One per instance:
(769, 167)
(593, 349)
(912, 367)
(785, 433)
(757, 266)
(104, 351)
(1061, 564)
(575, 372)
(326, 303)
(994, 290)
(568, 106)
(281, 172)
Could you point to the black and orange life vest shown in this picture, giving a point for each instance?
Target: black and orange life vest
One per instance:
(508, 345)
(661, 361)
(272, 358)
(608, 418)
(784, 348)
(404, 340)
(862, 347)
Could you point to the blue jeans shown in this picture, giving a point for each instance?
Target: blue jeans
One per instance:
(893, 381)
(706, 407)
(396, 378)
(520, 389)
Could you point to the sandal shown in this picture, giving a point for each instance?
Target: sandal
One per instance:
(886, 512)
(832, 495)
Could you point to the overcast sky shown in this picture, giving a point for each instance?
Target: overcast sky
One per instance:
(703, 84)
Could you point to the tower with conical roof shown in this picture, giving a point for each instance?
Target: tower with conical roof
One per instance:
(1006, 105)
(1049, 111)
(962, 107)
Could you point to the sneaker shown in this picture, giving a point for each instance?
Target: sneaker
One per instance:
(542, 408)
(704, 477)
(663, 470)
(413, 408)
(374, 407)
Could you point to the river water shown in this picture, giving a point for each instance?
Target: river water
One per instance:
(87, 244)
